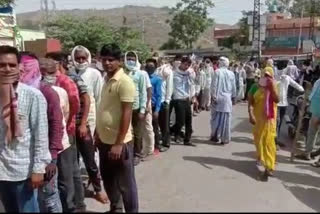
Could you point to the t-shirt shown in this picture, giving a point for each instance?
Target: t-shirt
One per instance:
(120, 88)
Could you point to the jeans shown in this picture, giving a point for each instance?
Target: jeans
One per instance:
(66, 186)
(182, 109)
(164, 124)
(136, 124)
(155, 125)
(77, 179)
(119, 179)
(19, 197)
(281, 113)
(87, 150)
(49, 199)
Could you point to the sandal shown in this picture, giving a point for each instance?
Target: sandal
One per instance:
(316, 164)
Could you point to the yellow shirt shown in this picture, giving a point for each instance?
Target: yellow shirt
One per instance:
(120, 88)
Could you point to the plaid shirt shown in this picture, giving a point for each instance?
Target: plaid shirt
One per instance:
(30, 153)
(71, 88)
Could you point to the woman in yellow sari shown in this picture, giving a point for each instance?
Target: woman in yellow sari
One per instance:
(263, 99)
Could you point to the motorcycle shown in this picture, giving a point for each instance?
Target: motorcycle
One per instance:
(292, 121)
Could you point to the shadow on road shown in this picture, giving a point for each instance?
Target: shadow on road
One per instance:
(310, 168)
(243, 127)
(305, 195)
(242, 140)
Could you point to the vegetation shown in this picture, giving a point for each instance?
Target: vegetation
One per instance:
(92, 33)
(295, 7)
(6, 2)
(190, 20)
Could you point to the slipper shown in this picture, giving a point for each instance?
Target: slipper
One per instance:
(316, 164)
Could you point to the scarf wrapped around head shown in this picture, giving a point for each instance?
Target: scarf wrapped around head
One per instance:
(8, 104)
(30, 71)
(268, 106)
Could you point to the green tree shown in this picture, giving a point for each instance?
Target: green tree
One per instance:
(6, 2)
(307, 6)
(279, 5)
(190, 20)
(92, 33)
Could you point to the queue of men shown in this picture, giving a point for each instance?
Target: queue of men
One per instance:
(55, 113)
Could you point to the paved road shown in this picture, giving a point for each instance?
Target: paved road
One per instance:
(211, 178)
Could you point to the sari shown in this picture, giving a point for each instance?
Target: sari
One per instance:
(265, 130)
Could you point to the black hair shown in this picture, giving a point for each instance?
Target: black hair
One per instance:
(178, 57)
(6, 49)
(151, 60)
(58, 56)
(186, 60)
(111, 50)
(131, 54)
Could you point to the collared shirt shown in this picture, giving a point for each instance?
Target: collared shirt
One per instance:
(93, 80)
(71, 88)
(209, 72)
(156, 82)
(30, 153)
(140, 100)
(181, 85)
(55, 118)
(120, 88)
(283, 84)
(64, 106)
(166, 73)
(223, 89)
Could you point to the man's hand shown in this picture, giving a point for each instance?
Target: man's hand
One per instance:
(51, 170)
(141, 116)
(252, 120)
(155, 115)
(116, 151)
(36, 180)
(83, 131)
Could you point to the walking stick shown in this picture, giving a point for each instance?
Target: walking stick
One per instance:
(302, 111)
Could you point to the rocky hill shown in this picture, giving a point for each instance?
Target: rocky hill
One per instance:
(151, 19)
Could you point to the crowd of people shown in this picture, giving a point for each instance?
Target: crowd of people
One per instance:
(57, 109)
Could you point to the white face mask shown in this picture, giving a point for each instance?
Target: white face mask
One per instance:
(81, 67)
(176, 64)
(50, 79)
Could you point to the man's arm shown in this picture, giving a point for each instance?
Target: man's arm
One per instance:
(158, 95)
(97, 89)
(39, 127)
(295, 85)
(169, 87)
(124, 122)
(143, 94)
(74, 101)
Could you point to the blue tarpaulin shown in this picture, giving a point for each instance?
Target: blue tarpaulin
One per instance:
(7, 9)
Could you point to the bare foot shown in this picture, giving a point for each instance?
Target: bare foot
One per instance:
(101, 197)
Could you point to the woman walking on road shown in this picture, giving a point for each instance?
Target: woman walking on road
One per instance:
(263, 99)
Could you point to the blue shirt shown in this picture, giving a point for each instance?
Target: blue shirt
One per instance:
(181, 85)
(156, 83)
(315, 100)
(140, 100)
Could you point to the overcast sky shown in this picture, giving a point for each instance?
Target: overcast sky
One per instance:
(226, 11)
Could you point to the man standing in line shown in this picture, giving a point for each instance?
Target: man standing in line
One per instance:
(114, 134)
(208, 69)
(49, 199)
(131, 62)
(223, 92)
(81, 58)
(24, 135)
(156, 81)
(182, 86)
(165, 72)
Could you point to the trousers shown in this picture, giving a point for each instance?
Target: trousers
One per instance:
(119, 178)
(164, 123)
(147, 134)
(19, 197)
(136, 125)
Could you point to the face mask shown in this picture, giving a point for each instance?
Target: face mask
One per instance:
(131, 65)
(49, 79)
(81, 67)
(150, 70)
(176, 64)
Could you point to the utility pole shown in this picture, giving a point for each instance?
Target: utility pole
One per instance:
(312, 19)
(256, 35)
(300, 33)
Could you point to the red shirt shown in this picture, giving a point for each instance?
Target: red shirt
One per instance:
(71, 88)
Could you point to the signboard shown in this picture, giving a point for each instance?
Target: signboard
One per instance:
(282, 42)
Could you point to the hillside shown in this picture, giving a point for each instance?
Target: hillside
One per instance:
(155, 27)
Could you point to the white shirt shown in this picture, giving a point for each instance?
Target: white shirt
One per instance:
(223, 89)
(283, 85)
(166, 73)
(292, 71)
(209, 72)
(64, 105)
(147, 79)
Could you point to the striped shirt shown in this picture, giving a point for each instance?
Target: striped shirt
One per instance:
(30, 153)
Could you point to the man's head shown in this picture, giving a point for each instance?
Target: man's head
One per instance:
(151, 66)
(61, 60)
(29, 69)
(47, 67)
(81, 58)
(110, 56)
(224, 62)
(9, 65)
(185, 63)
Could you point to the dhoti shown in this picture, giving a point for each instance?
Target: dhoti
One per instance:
(221, 125)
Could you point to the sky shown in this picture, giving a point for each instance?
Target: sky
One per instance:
(225, 12)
